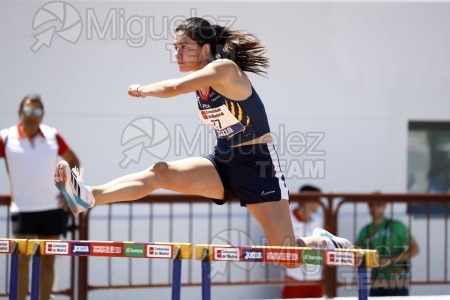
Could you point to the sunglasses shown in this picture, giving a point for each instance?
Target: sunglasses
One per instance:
(28, 111)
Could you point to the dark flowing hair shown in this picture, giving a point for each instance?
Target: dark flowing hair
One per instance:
(244, 48)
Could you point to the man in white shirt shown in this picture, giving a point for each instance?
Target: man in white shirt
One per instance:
(31, 151)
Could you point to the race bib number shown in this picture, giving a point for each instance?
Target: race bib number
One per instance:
(225, 124)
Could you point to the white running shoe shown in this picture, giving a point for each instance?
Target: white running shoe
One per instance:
(338, 242)
(70, 184)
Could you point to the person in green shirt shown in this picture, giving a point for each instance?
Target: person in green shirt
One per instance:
(396, 247)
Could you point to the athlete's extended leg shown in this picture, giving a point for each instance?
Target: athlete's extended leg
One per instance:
(196, 176)
(275, 220)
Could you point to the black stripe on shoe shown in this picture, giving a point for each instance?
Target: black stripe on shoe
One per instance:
(75, 185)
(336, 244)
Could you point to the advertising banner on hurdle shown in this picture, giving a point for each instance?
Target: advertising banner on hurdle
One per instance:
(171, 251)
(108, 249)
(280, 255)
(5, 246)
(286, 256)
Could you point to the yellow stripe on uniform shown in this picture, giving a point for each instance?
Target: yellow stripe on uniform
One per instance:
(239, 114)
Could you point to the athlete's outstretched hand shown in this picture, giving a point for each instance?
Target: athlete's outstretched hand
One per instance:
(133, 91)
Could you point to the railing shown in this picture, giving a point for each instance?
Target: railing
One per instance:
(194, 219)
(338, 202)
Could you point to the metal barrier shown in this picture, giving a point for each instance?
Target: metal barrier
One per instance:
(199, 218)
(361, 259)
(334, 223)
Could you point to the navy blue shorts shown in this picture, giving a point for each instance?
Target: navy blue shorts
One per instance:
(250, 174)
(43, 223)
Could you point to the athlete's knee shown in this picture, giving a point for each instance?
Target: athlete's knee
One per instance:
(160, 167)
(161, 172)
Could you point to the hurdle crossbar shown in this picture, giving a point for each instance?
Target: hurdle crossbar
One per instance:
(111, 249)
(293, 255)
(8, 246)
(288, 256)
(174, 251)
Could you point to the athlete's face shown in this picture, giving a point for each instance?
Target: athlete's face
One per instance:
(189, 55)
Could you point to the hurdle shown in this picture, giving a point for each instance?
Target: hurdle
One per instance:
(14, 247)
(357, 258)
(175, 251)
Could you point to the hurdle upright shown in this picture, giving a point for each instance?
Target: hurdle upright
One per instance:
(14, 247)
(357, 258)
(174, 251)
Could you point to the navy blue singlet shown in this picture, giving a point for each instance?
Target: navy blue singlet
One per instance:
(235, 122)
